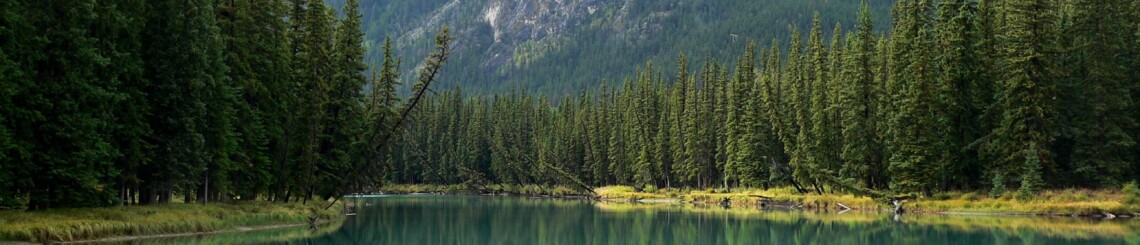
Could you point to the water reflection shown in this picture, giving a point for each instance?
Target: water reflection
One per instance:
(515, 220)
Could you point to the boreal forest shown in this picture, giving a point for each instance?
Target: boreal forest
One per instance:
(135, 102)
(998, 96)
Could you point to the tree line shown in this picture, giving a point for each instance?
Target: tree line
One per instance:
(959, 95)
(137, 102)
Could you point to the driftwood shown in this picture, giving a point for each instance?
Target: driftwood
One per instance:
(843, 207)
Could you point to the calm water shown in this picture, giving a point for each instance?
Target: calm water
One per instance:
(516, 220)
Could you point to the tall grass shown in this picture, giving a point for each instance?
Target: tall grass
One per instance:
(1066, 201)
(94, 223)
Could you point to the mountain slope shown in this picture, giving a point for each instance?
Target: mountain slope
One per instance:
(560, 47)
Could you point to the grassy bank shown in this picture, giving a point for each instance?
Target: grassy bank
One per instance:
(1052, 202)
(95, 223)
(525, 190)
(1069, 228)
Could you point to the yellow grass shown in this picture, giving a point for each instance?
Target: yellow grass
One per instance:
(93, 223)
(1047, 226)
(1068, 201)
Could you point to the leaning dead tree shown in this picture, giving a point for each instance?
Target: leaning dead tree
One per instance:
(432, 65)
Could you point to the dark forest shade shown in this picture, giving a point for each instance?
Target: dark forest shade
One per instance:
(106, 102)
(110, 102)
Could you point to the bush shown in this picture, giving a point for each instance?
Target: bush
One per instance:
(650, 189)
(1131, 194)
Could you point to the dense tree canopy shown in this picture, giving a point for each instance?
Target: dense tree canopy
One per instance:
(959, 95)
(123, 102)
(136, 102)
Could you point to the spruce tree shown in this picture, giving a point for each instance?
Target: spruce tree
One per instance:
(861, 151)
(1102, 140)
(1028, 89)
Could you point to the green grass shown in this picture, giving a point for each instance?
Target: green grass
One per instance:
(94, 223)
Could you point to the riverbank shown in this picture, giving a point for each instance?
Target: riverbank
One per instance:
(1067, 202)
(81, 224)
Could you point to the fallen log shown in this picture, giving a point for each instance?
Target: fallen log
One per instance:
(844, 207)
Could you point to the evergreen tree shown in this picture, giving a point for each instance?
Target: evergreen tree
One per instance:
(1102, 141)
(861, 151)
(1028, 88)
(186, 70)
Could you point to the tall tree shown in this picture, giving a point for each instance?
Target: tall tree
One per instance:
(861, 151)
(1102, 138)
(1028, 89)
(186, 73)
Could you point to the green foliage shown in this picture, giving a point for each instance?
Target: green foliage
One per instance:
(1131, 194)
(1031, 175)
(998, 186)
(263, 99)
(107, 103)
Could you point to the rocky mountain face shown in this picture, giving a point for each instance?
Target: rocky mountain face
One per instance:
(564, 46)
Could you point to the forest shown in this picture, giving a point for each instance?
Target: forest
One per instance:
(609, 43)
(121, 102)
(960, 95)
(128, 102)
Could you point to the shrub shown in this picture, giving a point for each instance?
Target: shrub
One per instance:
(650, 189)
(1131, 194)
(999, 186)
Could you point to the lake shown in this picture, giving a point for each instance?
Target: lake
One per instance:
(432, 219)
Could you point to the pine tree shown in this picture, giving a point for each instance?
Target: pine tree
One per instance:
(343, 111)
(960, 78)
(678, 115)
(917, 122)
(861, 152)
(11, 77)
(778, 120)
(795, 75)
(823, 151)
(185, 35)
(1102, 141)
(738, 126)
(1026, 99)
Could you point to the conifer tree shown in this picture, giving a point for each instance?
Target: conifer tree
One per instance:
(861, 151)
(1026, 99)
(1102, 141)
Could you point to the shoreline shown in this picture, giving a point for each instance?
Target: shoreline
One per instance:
(1105, 204)
(108, 225)
(140, 237)
(83, 225)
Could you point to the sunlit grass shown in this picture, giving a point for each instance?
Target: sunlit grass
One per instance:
(93, 223)
(1067, 201)
(1061, 227)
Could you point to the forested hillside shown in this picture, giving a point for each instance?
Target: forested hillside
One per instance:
(139, 101)
(559, 48)
(130, 101)
(958, 95)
